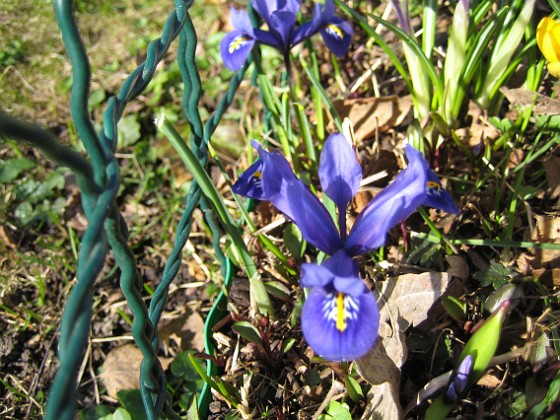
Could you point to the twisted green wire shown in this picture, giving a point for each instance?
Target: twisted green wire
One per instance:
(105, 222)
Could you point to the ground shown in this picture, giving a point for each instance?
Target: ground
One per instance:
(500, 168)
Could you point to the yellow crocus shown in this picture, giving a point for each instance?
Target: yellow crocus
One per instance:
(548, 39)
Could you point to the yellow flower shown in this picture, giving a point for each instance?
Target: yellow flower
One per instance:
(548, 39)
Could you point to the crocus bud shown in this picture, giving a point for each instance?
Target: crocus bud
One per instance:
(548, 40)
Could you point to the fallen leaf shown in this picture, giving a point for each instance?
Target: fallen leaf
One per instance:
(490, 379)
(120, 370)
(547, 230)
(409, 298)
(480, 130)
(186, 329)
(542, 104)
(552, 171)
(458, 267)
(380, 371)
(404, 301)
(369, 115)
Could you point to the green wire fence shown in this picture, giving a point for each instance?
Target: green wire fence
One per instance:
(98, 179)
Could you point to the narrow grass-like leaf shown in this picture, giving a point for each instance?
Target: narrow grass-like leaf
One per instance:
(248, 331)
(259, 297)
(425, 63)
(503, 52)
(217, 384)
(324, 96)
(474, 58)
(401, 69)
(429, 21)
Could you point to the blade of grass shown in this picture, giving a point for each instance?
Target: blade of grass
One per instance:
(259, 296)
(424, 61)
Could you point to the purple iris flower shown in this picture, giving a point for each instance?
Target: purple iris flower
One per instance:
(460, 380)
(340, 308)
(340, 318)
(283, 33)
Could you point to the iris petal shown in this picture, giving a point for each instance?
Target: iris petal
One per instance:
(437, 196)
(240, 20)
(249, 184)
(282, 24)
(339, 171)
(312, 218)
(337, 34)
(394, 204)
(235, 48)
(339, 326)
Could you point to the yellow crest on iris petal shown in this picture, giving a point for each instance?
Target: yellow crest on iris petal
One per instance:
(548, 40)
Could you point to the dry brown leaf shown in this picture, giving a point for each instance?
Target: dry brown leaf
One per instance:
(382, 403)
(480, 131)
(490, 379)
(378, 369)
(547, 230)
(187, 330)
(552, 171)
(542, 105)
(458, 267)
(120, 369)
(405, 301)
(409, 298)
(369, 115)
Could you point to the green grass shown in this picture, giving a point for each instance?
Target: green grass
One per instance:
(500, 186)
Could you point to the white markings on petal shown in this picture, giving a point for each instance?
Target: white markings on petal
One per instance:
(237, 42)
(335, 31)
(339, 308)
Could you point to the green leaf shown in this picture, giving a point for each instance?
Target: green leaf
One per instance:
(131, 400)
(338, 411)
(248, 331)
(354, 389)
(454, 307)
(192, 412)
(294, 241)
(24, 212)
(11, 169)
(95, 413)
(96, 98)
(496, 275)
(129, 131)
(277, 289)
(119, 414)
(182, 368)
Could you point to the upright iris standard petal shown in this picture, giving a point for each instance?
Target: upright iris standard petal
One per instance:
(437, 196)
(394, 204)
(282, 23)
(339, 171)
(337, 34)
(312, 218)
(236, 46)
(340, 319)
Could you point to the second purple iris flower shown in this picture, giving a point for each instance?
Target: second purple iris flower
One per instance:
(340, 318)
